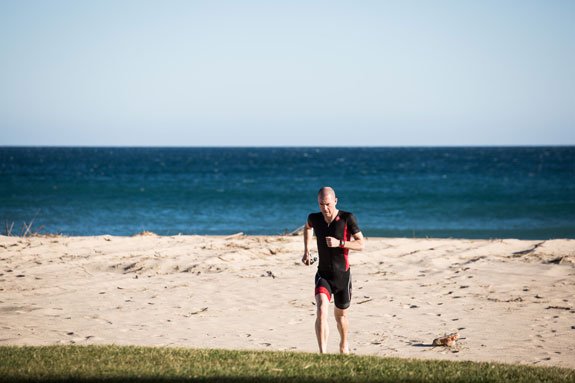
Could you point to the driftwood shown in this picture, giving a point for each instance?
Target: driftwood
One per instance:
(447, 340)
(297, 231)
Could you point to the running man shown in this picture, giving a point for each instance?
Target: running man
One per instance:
(334, 230)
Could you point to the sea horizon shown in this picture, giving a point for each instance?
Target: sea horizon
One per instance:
(523, 192)
(446, 146)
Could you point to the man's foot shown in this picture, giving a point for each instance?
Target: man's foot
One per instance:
(344, 349)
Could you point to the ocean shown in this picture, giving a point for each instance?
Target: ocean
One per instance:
(458, 192)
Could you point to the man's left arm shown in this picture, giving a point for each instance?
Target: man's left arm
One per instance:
(356, 234)
(358, 244)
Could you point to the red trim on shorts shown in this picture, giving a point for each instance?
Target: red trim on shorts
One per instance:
(323, 290)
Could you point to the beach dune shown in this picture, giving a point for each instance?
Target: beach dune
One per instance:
(510, 300)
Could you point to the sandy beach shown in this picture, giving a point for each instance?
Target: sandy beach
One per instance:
(510, 300)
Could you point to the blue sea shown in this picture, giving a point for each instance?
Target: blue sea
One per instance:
(467, 192)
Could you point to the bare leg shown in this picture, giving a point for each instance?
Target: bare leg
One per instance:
(321, 326)
(342, 327)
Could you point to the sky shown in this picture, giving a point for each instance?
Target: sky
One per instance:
(287, 73)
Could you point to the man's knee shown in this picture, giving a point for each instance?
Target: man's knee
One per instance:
(340, 314)
(322, 303)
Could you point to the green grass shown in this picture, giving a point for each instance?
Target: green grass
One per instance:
(152, 364)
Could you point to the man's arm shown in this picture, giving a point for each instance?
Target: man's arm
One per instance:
(307, 240)
(358, 244)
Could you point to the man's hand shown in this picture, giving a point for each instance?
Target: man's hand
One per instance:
(306, 259)
(332, 242)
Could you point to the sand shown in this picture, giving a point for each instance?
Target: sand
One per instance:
(510, 300)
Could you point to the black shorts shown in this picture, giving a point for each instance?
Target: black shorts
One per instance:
(339, 286)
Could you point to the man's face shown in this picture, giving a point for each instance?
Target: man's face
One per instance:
(327, 205)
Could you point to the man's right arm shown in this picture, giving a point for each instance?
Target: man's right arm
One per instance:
(307, 240)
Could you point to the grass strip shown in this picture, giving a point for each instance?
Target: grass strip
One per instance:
(158, 364)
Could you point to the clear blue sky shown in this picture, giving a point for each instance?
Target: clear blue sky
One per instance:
(275, 73)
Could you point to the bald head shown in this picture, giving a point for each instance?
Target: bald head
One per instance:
(326, 191)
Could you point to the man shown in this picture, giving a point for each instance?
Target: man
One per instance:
(334, 230)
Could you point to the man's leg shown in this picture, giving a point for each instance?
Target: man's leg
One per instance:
(321, 326)
(342, 327)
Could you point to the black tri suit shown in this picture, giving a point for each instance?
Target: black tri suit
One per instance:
(333, 274)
